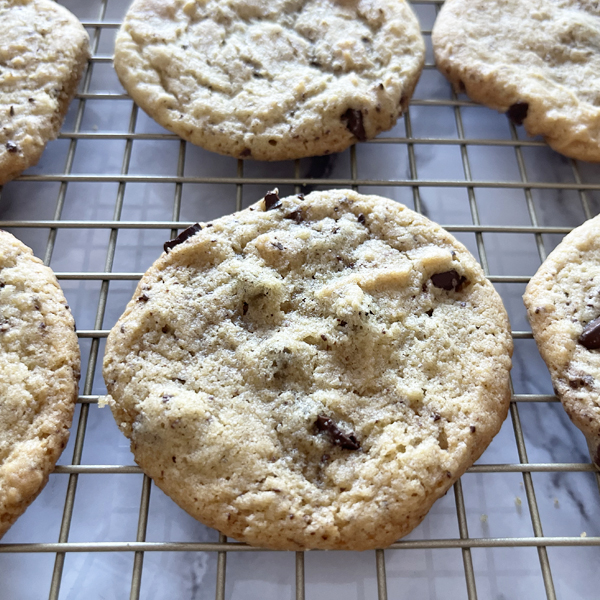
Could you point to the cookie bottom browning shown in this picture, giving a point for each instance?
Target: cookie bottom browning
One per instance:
(39, 372)
(311, 373)
(562, 303)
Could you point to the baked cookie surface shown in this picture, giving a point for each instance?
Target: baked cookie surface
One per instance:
(311, 373)
(44, 51)
(39, 374)
(537, 60)
(563, 306)
(271, 79)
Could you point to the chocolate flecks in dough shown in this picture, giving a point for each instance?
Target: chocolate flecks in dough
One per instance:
(272, 200)
(12, 111)
(277, 245)
(244, 308)
(436, 416)
(296, 215)
(517, 112)
(361, 219)
(582, 381)
(32, 100)
(184, 235)
(246, 152)
(473, 428)
(12, 147)
(354, 123)
(143, 298)
(590, 336)
(336, 435)
(449, 280)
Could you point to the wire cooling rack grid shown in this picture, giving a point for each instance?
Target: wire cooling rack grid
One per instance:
(522, 523)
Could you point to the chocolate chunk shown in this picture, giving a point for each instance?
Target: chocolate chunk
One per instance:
(429, 313)
(336, 435)
(143, 298)
(361, 219)
(296, 215)
(184, 235)
(12, 147)
(31, 100)
(450, 280)
(244, 308)
(272, 200)
(12, 111)
(583, 381)
(590, 336)
(517, 113)
(354, 124)
(472, 428)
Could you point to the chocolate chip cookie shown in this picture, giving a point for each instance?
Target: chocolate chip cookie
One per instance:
(39, 373)
(311, 372)
(271, 79)
(563, 307)
(538, 61)
(44, 51)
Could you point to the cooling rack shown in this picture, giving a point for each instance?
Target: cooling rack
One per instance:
(524, 522)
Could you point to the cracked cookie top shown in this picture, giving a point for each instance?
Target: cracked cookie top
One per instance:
(311, 372)
(39, 373)
(271, 79)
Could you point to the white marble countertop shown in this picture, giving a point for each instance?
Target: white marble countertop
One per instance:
(106, 506)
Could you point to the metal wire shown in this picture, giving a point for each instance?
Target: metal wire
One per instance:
(464, 181)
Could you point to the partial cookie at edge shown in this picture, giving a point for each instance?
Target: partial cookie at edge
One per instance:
(562, 298)
(538, 61)
(39, 360)
(44, 51)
